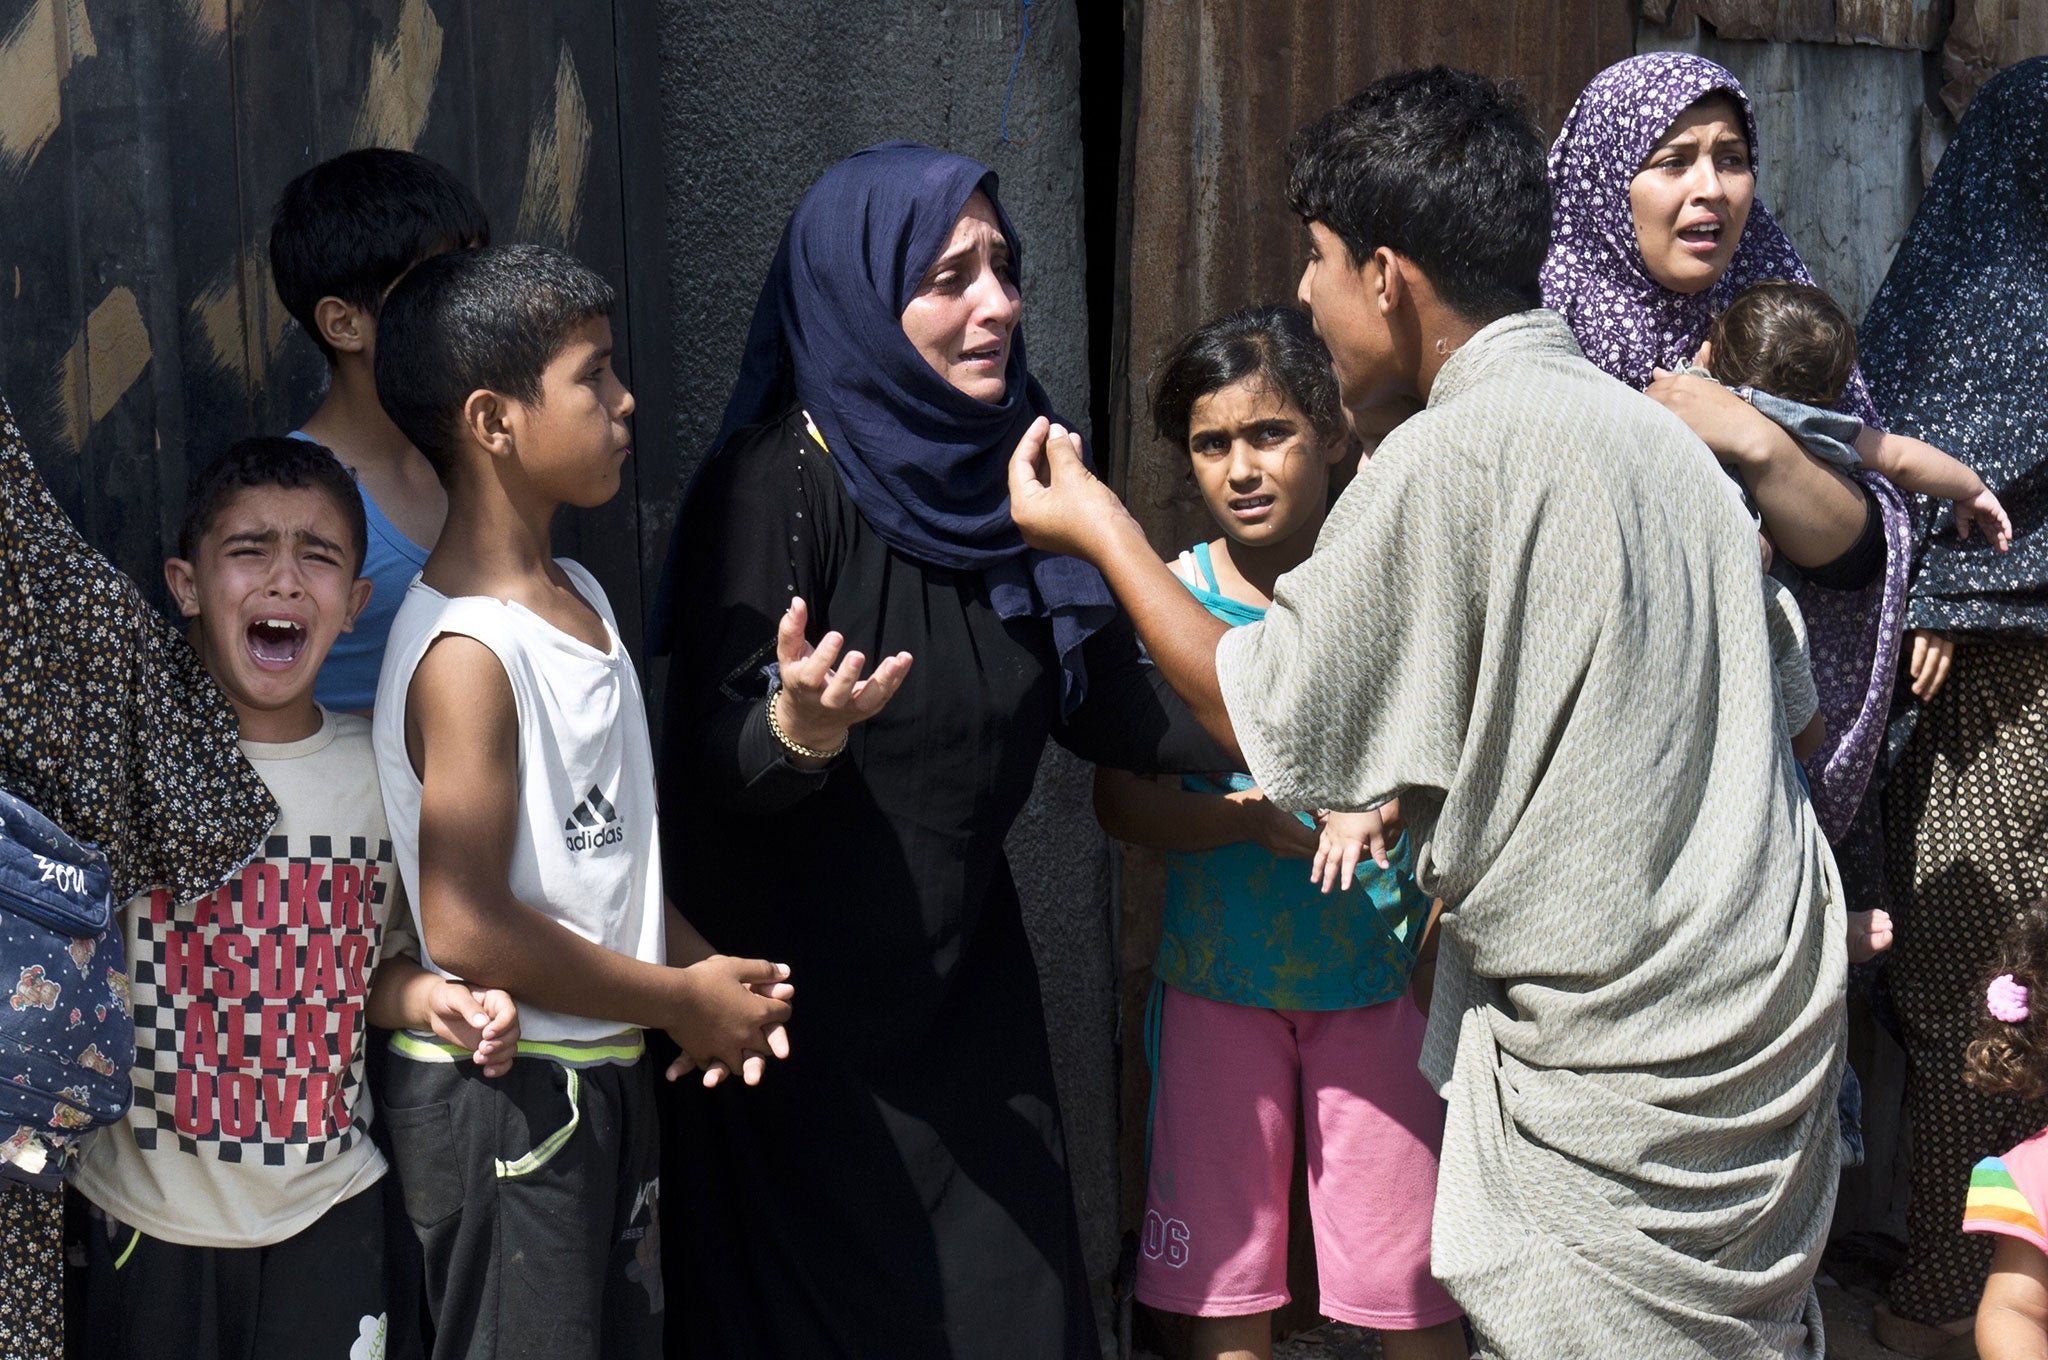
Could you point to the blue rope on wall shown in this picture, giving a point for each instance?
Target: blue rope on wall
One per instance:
(1016, 62)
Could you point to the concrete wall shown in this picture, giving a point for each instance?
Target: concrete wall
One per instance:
(758, 97)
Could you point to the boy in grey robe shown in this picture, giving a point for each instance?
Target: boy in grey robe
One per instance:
(1534, 617)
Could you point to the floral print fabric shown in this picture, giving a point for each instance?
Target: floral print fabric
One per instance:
(112, 729)
(31, 1272)
(1956, 348)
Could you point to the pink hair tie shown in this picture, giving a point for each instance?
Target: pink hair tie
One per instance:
(2006, 1000)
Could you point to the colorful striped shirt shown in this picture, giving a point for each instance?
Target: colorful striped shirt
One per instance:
(2005, 1193)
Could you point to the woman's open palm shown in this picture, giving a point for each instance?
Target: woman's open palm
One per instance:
(823, 694)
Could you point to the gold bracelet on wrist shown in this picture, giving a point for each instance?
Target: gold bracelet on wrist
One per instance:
(810, 753)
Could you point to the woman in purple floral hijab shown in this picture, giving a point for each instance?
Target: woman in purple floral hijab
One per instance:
(1647, 246)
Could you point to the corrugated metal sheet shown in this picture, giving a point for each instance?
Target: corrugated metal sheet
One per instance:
(1986, 37)
(1977, 38)
(1223, 85)
(1887, 23)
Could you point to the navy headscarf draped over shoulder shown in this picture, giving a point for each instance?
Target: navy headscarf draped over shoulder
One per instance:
(927, 464)
(1956, 346)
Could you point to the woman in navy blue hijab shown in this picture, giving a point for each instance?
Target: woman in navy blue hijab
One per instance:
(898, 1186)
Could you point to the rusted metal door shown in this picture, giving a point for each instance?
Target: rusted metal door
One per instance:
(142, 144)
(1223, 85)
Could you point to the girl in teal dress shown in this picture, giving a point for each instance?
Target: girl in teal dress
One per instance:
(1285, 959)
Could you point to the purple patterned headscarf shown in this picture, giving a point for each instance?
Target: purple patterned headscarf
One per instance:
(1627, 323)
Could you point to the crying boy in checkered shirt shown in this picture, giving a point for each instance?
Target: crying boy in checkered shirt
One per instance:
(237, 1211)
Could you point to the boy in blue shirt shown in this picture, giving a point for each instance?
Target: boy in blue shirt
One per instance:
(342, 235)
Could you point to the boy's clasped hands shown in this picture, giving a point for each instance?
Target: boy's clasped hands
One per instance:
(483, 1020)
(740, 1006)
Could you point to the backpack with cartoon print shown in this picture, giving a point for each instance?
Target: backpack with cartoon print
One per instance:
(67, 1033)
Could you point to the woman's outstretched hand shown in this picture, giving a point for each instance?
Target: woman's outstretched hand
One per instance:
(1057, 503)
(822, 694)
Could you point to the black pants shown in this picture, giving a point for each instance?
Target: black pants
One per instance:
(317, 1295)
(534, 1196)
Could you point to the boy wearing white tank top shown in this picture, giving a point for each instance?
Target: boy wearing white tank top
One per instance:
(512, 744)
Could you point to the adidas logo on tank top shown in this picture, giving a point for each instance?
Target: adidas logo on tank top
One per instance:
(586, 848)
(592, 823)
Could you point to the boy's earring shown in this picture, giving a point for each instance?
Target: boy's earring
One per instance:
(1443, 346)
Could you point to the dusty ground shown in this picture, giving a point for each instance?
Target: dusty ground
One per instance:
(1847, 1311)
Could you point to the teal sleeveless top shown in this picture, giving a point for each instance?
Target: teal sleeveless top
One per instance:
(1247, 927)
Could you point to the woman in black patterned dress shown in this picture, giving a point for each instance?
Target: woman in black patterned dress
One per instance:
(1955, 350)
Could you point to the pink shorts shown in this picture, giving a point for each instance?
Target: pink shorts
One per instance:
(1215, 1237)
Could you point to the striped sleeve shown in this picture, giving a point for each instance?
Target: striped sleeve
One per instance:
(1995, 1205)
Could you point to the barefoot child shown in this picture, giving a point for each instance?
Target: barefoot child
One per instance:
(341, 235)
(2009, 1194)
(513, 746)
(1270, 992)
(1790, 349)
(236, 1210)
(1870, 932)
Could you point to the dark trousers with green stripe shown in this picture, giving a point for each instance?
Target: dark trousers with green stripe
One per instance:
(317, 1295)
(535, 1197)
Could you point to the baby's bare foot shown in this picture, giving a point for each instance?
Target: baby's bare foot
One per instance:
(1870, 934)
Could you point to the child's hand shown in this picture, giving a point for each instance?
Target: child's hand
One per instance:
(1930, 662)
(1273, 828)
(1983, 511)
(731, 1013)
(483, 1020)
(1346, 836)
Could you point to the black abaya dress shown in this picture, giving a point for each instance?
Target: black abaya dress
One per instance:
(898, 1187)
